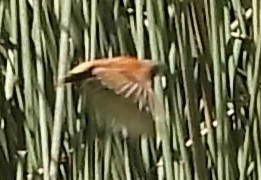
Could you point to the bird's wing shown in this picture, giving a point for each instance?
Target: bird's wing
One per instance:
(124, 84)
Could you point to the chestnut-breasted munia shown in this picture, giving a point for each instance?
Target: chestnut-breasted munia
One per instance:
(119, 91)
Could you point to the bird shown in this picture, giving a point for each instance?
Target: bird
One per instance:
(118, 91)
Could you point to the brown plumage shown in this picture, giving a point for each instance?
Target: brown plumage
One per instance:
(119, 91)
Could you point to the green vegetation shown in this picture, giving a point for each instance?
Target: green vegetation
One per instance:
(212, 97)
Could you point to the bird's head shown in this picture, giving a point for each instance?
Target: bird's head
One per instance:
(159, 69)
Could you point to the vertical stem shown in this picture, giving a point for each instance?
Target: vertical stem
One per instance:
(59, 103)
(93, 29)
(160, 117)
(20, 165)
(219, 104)
(41, 90)
(12, 64)
(28, 77)
(198, 151)
(27, 63)
(140, 29)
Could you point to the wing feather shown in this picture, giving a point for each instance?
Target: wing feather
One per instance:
(120, 82)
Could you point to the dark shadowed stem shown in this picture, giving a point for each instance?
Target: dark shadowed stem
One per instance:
(190, 96)
(253, 91)
(175, 109)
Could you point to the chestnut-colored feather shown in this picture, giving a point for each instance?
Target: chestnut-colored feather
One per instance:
(119, 89)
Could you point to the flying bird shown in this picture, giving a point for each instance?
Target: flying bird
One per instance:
(119, 92)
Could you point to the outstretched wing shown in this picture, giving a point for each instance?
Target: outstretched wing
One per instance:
(125, 84)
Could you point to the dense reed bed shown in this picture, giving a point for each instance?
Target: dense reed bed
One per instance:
(211, 93)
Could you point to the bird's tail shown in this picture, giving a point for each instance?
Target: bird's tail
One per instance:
(72, 78)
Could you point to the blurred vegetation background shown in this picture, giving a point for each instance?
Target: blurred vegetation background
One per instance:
(211, 95)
